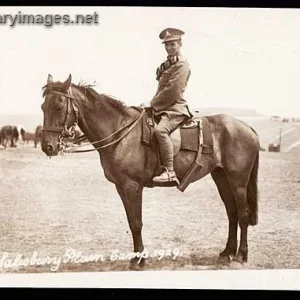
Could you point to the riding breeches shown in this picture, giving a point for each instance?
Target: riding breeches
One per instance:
(162, 131)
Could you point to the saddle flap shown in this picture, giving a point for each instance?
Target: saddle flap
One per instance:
(190, 138)
(191, 135)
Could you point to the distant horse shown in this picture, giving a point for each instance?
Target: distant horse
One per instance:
(115, 131)
(38, 135)
(29, 136)
(9, 133)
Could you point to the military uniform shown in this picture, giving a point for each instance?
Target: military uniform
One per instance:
(169, 103)
(172, 83)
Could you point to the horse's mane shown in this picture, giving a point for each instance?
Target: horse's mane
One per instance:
(90, 94)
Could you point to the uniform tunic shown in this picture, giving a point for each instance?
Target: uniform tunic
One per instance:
(169, 98)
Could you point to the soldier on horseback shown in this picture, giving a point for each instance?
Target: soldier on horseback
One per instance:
(168, 103)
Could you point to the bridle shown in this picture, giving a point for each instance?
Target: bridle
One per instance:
(70, 132)
(64, 130)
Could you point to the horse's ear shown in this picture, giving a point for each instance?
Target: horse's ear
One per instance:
(50, 79)
(68, 82)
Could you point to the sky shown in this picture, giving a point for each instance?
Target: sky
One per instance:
(239, 57)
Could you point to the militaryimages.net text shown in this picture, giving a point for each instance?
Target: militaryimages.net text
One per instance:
(48, 20)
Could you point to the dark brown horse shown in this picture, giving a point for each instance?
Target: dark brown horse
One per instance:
(115, 131)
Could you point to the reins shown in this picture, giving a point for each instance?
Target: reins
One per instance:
(130, 126)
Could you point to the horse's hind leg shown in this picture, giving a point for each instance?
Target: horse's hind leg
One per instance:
(238, 184)
(223, 186)
(131, 195)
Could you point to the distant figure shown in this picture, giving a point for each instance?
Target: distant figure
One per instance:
(274, 118)
(21, 131)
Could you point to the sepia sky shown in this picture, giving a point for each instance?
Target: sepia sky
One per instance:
(245, 58)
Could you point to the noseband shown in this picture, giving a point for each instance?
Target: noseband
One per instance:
(64, 130)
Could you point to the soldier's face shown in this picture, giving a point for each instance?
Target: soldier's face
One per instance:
(173, 47)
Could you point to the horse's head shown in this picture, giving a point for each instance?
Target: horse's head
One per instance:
(60, 115)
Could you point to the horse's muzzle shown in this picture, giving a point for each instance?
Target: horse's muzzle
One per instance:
(49, 149)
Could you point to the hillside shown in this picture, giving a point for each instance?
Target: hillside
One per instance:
(232, 111)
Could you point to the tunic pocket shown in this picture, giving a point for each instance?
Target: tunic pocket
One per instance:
(165, 76)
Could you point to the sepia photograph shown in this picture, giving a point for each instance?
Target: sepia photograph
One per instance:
(150, 147)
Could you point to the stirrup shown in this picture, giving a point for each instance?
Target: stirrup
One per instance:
(170, 178)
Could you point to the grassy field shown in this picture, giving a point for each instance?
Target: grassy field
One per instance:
(50, 206)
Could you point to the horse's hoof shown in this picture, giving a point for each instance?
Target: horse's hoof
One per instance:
(236, 264)
(241, 257)
(136, 265)
(238, 261)
(223, 260)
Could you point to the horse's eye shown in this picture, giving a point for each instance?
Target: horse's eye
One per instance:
(59, 103)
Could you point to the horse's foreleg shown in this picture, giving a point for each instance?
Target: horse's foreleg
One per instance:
(221, 181)
(131, 195)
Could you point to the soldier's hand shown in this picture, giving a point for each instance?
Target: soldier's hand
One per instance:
(145, 104)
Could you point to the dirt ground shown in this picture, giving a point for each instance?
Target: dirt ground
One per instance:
(50, 206)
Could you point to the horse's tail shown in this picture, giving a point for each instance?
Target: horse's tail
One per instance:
(252, 193)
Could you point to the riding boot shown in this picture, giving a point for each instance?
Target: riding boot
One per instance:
(166, 152)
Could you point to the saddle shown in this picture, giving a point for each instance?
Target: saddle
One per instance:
(193, 135)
